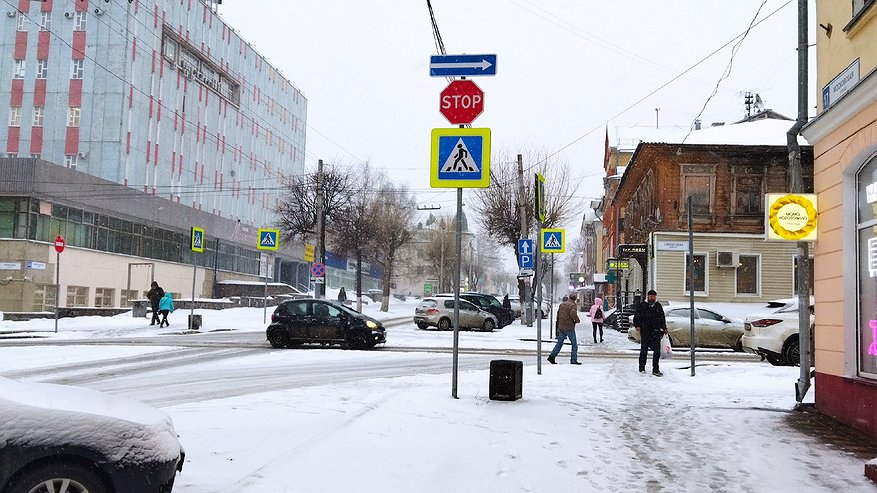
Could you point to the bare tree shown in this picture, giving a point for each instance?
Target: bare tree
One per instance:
(395, 209)
(355, 225)
(297, 211)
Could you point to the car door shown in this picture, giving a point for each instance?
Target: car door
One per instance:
(328, 322)
(716, 331)
(679, 326)
(470, 316)
(297, 319)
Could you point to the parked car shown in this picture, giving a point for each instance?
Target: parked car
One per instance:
(775, 336)
(487, 302)
(516, 307)
(711, 328)
(297, 322)
(438, 311)
(57, 438)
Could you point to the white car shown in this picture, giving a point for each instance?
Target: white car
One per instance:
(711, 328)
(774, 336)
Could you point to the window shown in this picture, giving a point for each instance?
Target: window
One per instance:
(860, 5)
(77, 296)
(697, 183)
(77, 69)
(15, 116)
(19, 70)
(698, 278)
(38, 116)
(44, 298)
(748, 197)
(21, 23)
(128, 296)
(105, 297)
(747, 275)
(80, 20)
(71, 161)
(73, 114)
(866, 226)
(42, 69)
(46, 21)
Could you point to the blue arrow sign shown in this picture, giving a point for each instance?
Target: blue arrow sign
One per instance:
(462, 65)
(525, 261)
(525, 247)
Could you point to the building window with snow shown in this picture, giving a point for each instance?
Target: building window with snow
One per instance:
(73, 115)
(21, 22)
(19, 70)
(42, 69)
(77, 69)
(38, 116)
(15, 116)
(697, 182)
(46, 21)
(77, 296)
(866, 222)
(748, 276)
(80, 20)
(71, 161)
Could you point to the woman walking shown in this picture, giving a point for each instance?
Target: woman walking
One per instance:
(597, 318)
(166, 305)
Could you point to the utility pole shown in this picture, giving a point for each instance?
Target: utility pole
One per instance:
(320, 289)
(526, 305)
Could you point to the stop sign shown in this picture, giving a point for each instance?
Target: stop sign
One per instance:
(59, 243)
(461, 102)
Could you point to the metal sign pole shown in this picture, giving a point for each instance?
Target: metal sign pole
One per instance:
(265, 294)
(691, 282)
(57, 286)
(537, 255)
(194, 273)
(457, 293)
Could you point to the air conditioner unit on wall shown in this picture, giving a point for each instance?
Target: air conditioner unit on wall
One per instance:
(727, 259)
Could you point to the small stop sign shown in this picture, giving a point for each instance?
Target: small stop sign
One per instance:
(59, 243)
(461, 102)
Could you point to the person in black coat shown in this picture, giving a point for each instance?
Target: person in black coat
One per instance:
(506, 303)
(342, 295)
(649, 319)
(154, 296)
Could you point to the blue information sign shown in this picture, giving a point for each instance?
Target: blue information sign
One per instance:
(462, 65)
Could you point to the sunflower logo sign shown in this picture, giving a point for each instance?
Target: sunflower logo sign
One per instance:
(791, 217)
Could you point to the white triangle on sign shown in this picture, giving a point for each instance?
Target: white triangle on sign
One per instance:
(553, 242)
(267, 240)
(460, 160)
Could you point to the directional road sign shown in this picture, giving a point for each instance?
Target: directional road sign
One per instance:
(462, 65)
(197, 239)
(460, 158)
(268, 239)
(553, 241)
(461, 102)
(525, 261)
(525, 253)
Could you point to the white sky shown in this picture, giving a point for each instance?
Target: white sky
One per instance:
(601, 426)
(566, 71)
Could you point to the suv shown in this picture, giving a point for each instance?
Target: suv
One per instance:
(438, 311)
(296, 322)
(774, 336)
(504, 316)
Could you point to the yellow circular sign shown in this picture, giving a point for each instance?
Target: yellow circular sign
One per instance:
(792, 217)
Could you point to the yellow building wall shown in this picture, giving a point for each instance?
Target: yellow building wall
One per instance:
(836, 52)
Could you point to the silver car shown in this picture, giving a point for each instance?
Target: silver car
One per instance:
(711, 328)
(438, 311)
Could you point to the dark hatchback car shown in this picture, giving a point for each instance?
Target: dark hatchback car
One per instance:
(297, 322)
(56, 438)
(504, 316)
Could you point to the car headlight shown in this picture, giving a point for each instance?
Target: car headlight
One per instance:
(370, 324)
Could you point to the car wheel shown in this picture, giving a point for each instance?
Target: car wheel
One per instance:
(358, 340)
(489, 325)
(792, 352)
(444, 324)
(775, 360)
(54, 476)
(278, 338)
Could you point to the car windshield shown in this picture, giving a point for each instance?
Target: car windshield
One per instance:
(493, 302)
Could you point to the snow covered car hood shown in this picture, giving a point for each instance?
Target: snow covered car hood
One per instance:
(122, 430)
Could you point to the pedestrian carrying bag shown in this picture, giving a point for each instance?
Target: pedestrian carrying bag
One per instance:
(666, 348)
(598, 313)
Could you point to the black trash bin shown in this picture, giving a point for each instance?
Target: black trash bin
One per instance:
(506, 380)
(194, 322)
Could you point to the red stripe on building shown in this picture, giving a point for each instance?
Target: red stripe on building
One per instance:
(202, 174)
(173, 162)
(40, 92)
(153, 60)
(130, 96)
(20, 45)
(43, 38)
(128, 144)
(46, 6)
(13, 136)
(155, 15)
(148, 150)
(215, 179)
(17, 92)
(158, 112)
(155, 152)
(137, 7)
(78, 45)
(133, 49)
(176, 119)
(75, 96)
(204, 14)
(36, 140)
(151, 100)
(23, 5)
(71, 141)
(80, 6)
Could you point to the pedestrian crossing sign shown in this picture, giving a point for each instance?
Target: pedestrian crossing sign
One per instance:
(460, 158)
(268, 239)
(553, 241)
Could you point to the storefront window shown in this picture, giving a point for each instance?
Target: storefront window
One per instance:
(867, 261)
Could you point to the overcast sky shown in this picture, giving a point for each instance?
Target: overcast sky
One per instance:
(566, 70)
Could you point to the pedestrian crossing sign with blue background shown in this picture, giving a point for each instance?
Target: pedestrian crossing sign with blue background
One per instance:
(553, 240)
(460, 158)
(268, 239)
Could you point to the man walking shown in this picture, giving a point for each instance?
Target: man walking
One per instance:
(649, 319)
(567, 318)
(154, 296)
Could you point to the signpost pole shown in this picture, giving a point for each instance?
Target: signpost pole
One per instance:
(265, 294)
(57, 286)
(457, 292)
(537, 256)
(690, 278)
(192, 309)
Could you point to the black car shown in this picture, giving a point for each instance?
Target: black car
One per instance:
(309, 320)
(504, 316)
(75, 440)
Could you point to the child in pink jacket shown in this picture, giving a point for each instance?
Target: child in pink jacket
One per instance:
(596, 313)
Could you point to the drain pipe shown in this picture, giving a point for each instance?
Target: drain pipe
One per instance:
(796, 177)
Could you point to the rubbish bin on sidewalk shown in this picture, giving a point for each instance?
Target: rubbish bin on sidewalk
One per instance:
(506, 380)
(194, 322)
(138, 309)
